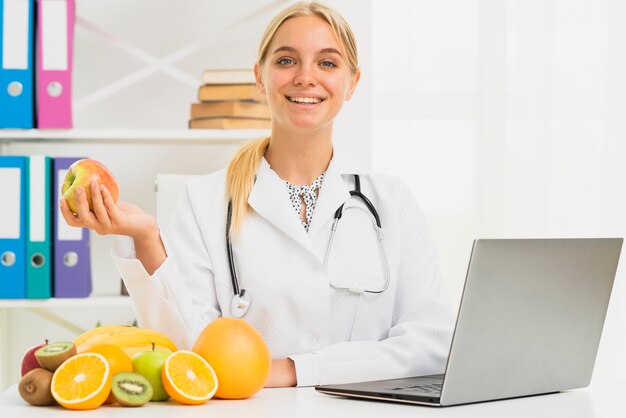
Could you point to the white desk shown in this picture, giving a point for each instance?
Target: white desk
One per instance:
(305, 402)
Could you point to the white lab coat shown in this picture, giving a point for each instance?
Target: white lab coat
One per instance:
(333, 336)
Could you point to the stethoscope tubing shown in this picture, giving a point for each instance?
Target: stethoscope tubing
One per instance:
(229, 250)
(241, 299)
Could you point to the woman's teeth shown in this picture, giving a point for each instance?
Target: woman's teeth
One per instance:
(308, 100)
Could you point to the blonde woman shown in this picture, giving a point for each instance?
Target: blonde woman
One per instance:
(333, 302)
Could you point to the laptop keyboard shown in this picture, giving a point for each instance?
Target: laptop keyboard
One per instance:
(424, 388)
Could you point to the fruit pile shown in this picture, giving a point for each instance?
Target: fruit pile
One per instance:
(132, 366)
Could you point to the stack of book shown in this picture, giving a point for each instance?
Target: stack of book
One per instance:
(229, 99)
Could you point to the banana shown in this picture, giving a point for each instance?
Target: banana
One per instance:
(109, 330)
(112, 331)
(129, 338)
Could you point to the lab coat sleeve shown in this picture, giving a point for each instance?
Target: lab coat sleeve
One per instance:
(179, 299)
(419, 339)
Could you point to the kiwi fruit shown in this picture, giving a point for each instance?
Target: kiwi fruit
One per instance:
(51, 356)
(34, 387)
(131, 389)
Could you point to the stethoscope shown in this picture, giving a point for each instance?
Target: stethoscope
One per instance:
(240, 303)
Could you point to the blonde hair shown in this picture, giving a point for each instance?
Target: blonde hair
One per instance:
(244, 164)
(337, 23)
(240, 178)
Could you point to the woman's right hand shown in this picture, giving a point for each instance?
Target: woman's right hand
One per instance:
(109, 217)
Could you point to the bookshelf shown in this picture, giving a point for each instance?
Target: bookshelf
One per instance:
(100, 301)
(132, 136)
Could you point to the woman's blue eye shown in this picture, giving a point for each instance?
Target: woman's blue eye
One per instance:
(329, 64)
(285, 61)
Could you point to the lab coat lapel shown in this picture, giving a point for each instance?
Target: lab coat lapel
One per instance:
(333, 193)
(270, 199)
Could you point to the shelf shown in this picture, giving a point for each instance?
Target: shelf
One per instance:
(137, 136)
(93, 301)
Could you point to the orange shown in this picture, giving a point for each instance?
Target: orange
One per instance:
(115, 355)
(117, 358)
(188, 378)
(82, 381)
(238, 354)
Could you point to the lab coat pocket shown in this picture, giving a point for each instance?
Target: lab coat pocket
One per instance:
(373, 316)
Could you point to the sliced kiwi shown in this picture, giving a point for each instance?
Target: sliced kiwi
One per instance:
(131, 389)
(51, 356)
(34, 387)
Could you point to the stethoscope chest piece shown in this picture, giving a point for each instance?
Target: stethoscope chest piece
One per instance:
(240, 304)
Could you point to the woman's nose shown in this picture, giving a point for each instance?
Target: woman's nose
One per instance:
(305, 76)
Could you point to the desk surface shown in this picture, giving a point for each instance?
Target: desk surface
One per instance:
(596, 401)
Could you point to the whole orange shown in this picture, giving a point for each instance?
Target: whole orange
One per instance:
(115, 355)
(117, 358)
(238, 354)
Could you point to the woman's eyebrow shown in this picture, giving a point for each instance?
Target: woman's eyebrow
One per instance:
(285, 48)
(294, 50)
(330, 51)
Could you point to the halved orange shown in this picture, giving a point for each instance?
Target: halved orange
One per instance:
(188, 378)
(82, 381)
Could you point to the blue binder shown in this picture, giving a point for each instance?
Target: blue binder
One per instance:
(13, 227)
(17, 64)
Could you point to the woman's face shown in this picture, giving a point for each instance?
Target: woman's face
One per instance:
(305, 77)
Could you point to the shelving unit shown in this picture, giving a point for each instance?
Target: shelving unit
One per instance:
(132, 136)
(92, 302)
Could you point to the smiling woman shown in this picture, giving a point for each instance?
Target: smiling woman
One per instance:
(305, 71)
(373, 307)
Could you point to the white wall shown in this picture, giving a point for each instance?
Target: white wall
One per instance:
(506, 119)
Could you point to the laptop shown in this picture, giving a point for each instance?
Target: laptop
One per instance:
(529, 323)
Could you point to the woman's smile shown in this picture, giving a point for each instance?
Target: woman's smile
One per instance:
(305, 102)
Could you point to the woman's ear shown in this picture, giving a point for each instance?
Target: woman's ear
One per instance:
(353, 83)
(259, 79)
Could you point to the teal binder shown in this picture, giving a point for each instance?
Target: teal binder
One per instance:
(39, 233)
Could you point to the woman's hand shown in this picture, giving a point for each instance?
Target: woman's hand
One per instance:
(282, 374)
(118, 218)
(107, 216)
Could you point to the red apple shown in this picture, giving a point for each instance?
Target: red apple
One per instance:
(80, 174)
(29, 362)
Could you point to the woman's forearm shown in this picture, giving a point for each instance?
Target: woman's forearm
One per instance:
(150, 250)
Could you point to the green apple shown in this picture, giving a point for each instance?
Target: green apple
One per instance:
(149, 365)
